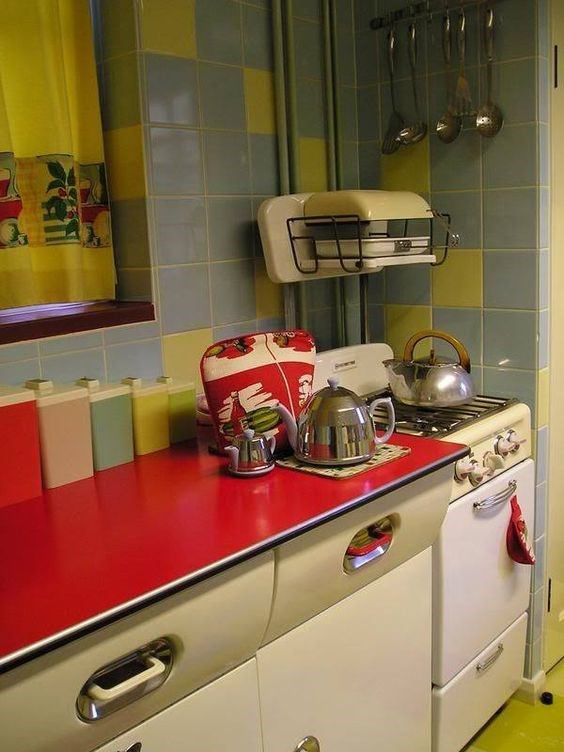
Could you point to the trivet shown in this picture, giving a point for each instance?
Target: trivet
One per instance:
(384, 453)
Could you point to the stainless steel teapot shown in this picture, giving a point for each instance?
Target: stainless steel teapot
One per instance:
(251, 453)
(335, 427)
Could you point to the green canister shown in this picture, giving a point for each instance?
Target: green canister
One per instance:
(112, 430)
(181, 408)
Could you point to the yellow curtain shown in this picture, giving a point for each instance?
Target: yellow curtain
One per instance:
(55, 238)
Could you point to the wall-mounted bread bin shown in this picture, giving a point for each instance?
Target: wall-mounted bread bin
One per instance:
(335, 233)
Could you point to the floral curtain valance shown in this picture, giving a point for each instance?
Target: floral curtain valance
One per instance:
(55, 238)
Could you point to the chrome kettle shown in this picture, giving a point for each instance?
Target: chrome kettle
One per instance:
(251, 453)
(335, 427)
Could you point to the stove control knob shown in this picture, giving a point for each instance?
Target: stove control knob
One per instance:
(476, 475)
(464, 468)
(515, 441)
(492, 462)
(508, 443)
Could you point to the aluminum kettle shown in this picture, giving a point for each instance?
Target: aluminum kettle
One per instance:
(251, 453)
(431, 381)
(335, 427)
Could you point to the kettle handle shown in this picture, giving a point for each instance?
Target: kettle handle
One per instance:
(461, 351)
(388, 404)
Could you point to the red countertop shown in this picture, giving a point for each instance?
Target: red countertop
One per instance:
(89, 552)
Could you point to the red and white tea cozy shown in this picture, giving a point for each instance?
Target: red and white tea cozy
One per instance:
(518, 547)
(245, 377)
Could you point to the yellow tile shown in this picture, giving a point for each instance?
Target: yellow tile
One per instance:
(313, 164)
(401, 322)
(259, 101)
(124, 158)
(543, 389)
(268, 294)
(169, 26)
(407, 169)
(182, 353)
(458, 282)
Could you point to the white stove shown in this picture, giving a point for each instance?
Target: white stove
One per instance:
(480, 595)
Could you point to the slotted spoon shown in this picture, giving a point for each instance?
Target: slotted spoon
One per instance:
(489, 118)
(396, 122)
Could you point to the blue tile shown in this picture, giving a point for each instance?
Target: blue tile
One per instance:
(544, 87)
(310, 9)
(345, 58)
(272, 324)
(544, 154)
(221, 96)
(543, 21)
(21, 351)
(367, 59)
(435, 40)
(404, 101)
(349, 165)
(364, 12)
(140, 359)
(541, 505)
(544, 338)
(232, 331)
(70, 342)
(348, 114)
(134, 284)
(510, 279)
(121, 74)
(544, 218)
(465, 211)
(539, 569)
(184, 298)
(542, 455)
(369, 165)
(218, 31)
(17, 373)
(376, 288)
(233, 292)
(410, 285)
(456, 166)
(509, 81)
(265, 177)
(180, 230)
(230, 228)
(320, 293)
(506, 382)
(308, 45)
(544, 279)
(131, 332)
(172, 90)
(257, 38)
(323, 327)
(351, 289)
(510, 157)
(311, 108)
(377, 323)
(510, 218)
(369, 114)
(352, 325)
(515, 25)
(466, 325)
(227, 163)
(67, 368)
(510, 339)
(438, 101)
(176, 161)
(130, 234)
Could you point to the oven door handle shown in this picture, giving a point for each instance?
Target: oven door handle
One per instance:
(496, 499)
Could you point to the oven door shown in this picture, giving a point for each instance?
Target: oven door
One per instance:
(478, 590)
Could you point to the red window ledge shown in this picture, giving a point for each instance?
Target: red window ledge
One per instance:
(50, 321)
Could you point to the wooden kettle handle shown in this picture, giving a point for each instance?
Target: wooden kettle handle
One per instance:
(462, 352)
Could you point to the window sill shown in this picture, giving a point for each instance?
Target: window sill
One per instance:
(80, 317)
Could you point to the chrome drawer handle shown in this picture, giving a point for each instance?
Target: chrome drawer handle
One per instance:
(309, 744)
(496, 499)
(481, 667)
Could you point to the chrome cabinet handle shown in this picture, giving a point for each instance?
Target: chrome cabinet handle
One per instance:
(485, 665)
(155, 668)
(308, 744)
(496, 499)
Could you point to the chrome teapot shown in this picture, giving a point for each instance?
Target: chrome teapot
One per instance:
(335, 427)
(251, 454)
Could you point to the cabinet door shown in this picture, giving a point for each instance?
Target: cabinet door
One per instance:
(224, 715)
(356, 677)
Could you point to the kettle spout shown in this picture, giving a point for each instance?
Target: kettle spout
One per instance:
(233, 453)
(289, 422)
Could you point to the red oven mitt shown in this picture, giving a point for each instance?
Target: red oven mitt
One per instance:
(517, 545)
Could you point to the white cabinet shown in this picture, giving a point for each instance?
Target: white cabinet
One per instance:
(221, 717)
(357, 676)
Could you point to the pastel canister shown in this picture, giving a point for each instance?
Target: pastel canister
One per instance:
(64, 432)
(112, 423)
(149, 404)
(181, 408)
(20, 464)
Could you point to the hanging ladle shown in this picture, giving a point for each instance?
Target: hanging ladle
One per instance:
(489, 118)
(448, 125)
(415, 132)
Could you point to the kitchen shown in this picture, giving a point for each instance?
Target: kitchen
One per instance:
(191, 122)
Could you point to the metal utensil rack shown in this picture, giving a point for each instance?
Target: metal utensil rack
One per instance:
(425, 9)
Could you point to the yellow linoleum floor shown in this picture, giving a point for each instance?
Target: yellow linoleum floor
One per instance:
(527, 728)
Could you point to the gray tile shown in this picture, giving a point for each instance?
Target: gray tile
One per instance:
(227, 163)
(185, 298)
(404, 101)
(544, 338)
(377, 324)
(409, 285)
(510, 339)
(121, 106)
(221, 96)
(134, 284)
(544, 218)
(541, 465)
(308, 9)
(352, 325)
(349, 165)
(345, 14)
(509, 82)
(510, 157)
(232, 331)
(272, 324)
(514, 29)
(176, 161)
(320, 293)
(351, 290)
(541, 501)
(544, 87)
(438, 99)
(364, 12)
(172, 90)
(345, 58)
(369, 113)
(230, 228)
(456, 166)
(510, 279)
(131, 332)
(506, 382)
(401, 60)
(21, 351)
(544, 154)
(119, 34)
(369, 165)
(536, 659)
(539, 571)
(257, 38)
(544, 279)
(465, 212)
(67, 368)
(435, 43)
(478, 378)
(130, 233)
(348, 115)
(367, 58)
(308, 45)
(16, 374)
(180, 229)
(510, 218)
(536, 615)
(311, 108)
(70, 342)
(233, 291)
(265, 179)
(543, 27)
(466, 325)
(218, 31)
(323, 327)
(139, 359)
(376, 288)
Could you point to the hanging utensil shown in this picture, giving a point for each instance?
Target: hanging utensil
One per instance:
(396, 122)
(415, 132)
(448, 125)
(462, 97)
(489, 118)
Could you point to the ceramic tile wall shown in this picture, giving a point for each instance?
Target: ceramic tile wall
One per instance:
(493, 290)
